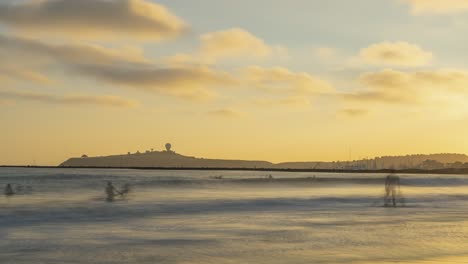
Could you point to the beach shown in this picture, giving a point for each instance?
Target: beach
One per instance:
(231, 217)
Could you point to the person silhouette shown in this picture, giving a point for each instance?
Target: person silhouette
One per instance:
(110, 191)
(392, 186)
(9, 190)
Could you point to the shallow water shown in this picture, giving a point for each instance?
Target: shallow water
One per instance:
(191, 217)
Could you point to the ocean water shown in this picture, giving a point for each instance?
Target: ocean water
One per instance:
(62, 216)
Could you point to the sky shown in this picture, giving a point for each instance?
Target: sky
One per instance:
(276, 80)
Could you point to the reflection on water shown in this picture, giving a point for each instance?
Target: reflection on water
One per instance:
(230, 217)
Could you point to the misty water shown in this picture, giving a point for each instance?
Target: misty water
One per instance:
(61, 216)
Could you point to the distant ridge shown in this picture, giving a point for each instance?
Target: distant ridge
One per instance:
(161, 159)
(170, 159)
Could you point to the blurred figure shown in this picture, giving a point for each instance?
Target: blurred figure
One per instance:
(9, 190)
(110, 191)
(392, 188)
(125, 189)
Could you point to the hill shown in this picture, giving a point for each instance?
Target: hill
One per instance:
(170, 159)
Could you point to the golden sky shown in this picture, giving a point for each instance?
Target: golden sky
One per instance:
(271, 80)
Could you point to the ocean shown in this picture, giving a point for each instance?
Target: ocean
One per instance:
(62, 216)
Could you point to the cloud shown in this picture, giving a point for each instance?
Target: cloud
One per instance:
(227, 113)
(92, 19)
(5, 101)
(113, 101)
(14, 74)
(115, 67)
(378, 97)
(232, 43)
(192, 83)
(421, 7)
(19, 49)
(290, 101)
(353, 112)
(445, 79)
(401, 54)
(182, 59)
(393, 86)
(282, 80)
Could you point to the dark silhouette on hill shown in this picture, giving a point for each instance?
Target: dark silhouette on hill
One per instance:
(171, 159)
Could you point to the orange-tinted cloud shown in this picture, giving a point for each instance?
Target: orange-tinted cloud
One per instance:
(7, 74)
(446, 79)
(290, 101)
(393, 86)
(5, 101)
(29, 51)
(353, 112)
(379, 97)
(231, 43)
(112, 101)
(227, 113)
(192, 83)
(116, 68)
(282, 80)
(92, 19)
(395, 54)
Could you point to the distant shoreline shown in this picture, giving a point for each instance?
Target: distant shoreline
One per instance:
(405, 171)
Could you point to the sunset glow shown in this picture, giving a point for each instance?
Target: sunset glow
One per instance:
(269, 80)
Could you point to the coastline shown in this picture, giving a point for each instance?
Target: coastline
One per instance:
(447, 171)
